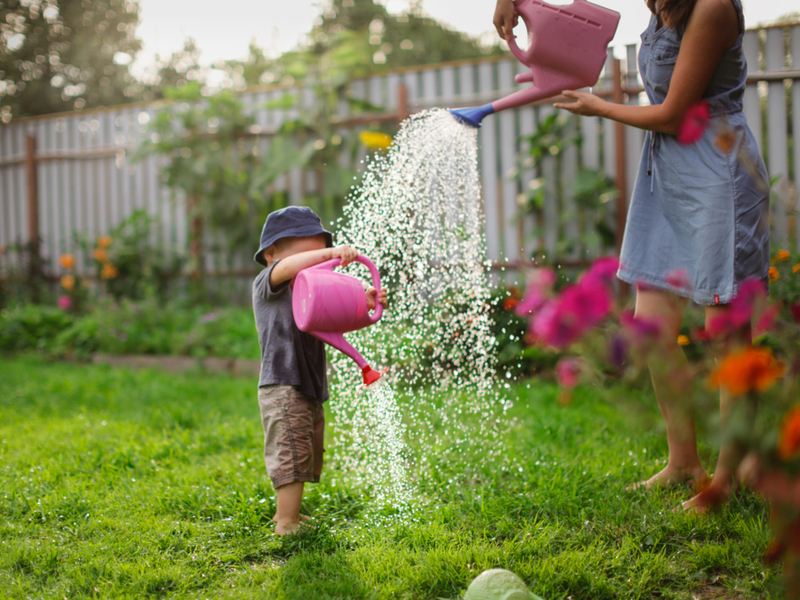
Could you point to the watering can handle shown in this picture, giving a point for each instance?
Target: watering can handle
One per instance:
(512, 43)
(376, 280)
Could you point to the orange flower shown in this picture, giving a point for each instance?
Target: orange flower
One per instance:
(782, 256)
(773, 274)
(68, 282)
(101, 255)
(67, 261)
(796, 268)
(789, 444)
(683, 340)
(510, 303)
(104, 241)
(109, 271)
(726, 140)
(752, 369)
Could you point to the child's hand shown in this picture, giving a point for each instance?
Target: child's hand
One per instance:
(346, 253)
(383, 298)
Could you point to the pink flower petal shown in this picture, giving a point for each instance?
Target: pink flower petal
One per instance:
(679, 278)
(695, 123)
(568, 371)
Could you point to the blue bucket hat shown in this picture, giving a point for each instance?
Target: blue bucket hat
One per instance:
(292, 221)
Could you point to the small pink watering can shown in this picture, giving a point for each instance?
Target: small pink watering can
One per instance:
(327, 304)
(566, 51)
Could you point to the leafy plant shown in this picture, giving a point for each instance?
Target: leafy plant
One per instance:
(129, 264)
(586, 199)
(214, 161)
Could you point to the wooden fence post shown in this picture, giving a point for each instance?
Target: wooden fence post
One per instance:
(33, 191)
(402, 103)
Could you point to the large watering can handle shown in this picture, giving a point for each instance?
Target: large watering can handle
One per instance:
(373, 271)
(376, 283)
(512, 43)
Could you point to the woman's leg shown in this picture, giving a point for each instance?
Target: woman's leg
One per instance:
(673, 387)
(730, 455)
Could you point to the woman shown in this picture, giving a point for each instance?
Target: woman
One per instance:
(696, 208)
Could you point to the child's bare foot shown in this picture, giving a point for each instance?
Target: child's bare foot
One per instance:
(668, 477)
(283, 527)
(290, 525)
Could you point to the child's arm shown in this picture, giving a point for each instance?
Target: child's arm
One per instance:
(712, 28)
(288, 268)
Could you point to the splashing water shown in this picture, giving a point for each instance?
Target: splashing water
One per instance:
(418, 216)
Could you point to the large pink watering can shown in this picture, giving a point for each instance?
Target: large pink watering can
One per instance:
(566, 51)
(328, 304)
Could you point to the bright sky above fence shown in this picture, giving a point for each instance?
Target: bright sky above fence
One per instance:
(278, 26)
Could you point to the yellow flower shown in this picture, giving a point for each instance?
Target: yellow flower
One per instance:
(789, 444)
(683, 340)
(752, 369)
(109, 271)
(101, 255)
(773, 274)
(68, 282)
(374, 140)
(796, 268)
(104, 241)
(67, 261)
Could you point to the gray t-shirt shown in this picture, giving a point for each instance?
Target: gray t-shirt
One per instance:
(288, 355)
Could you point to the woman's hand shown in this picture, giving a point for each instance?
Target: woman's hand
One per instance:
(505, 18)
(382, 297)
(585, 104)
(346, 253)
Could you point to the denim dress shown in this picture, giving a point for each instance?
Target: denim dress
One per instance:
(698, 208)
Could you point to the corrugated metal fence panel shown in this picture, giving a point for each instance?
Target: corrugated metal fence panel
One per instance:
(794, 48)
(777, 147)
(90, 196)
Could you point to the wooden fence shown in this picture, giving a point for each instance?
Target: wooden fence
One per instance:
(72, 172)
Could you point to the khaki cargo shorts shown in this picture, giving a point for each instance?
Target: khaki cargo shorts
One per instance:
(294, 425)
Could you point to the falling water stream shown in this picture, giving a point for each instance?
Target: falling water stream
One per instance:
(434, 419)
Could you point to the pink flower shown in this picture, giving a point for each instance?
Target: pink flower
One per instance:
(540, 286)
(766, 319)
(603, 270)
(695, 123)
(562, 321)
(679, 278)
(589, 300)
(64, 302)
(642, 333)
(741, 308)
(568, 371)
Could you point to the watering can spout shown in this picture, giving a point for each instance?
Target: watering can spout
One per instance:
(472, 116)
(567, 48)
(371, 375)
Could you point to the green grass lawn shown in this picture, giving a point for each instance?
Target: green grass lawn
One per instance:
(123, 484)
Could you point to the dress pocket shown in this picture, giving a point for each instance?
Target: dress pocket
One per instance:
(663, 56)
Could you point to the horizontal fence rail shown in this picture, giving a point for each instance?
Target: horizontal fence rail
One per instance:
(73, 173)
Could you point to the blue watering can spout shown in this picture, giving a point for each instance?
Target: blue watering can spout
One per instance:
(474, 115)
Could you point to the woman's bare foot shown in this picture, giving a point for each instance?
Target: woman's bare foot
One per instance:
(668, 477)
(710, 498)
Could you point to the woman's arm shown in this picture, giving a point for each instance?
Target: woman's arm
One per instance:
(289, 267)
(712, 28)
